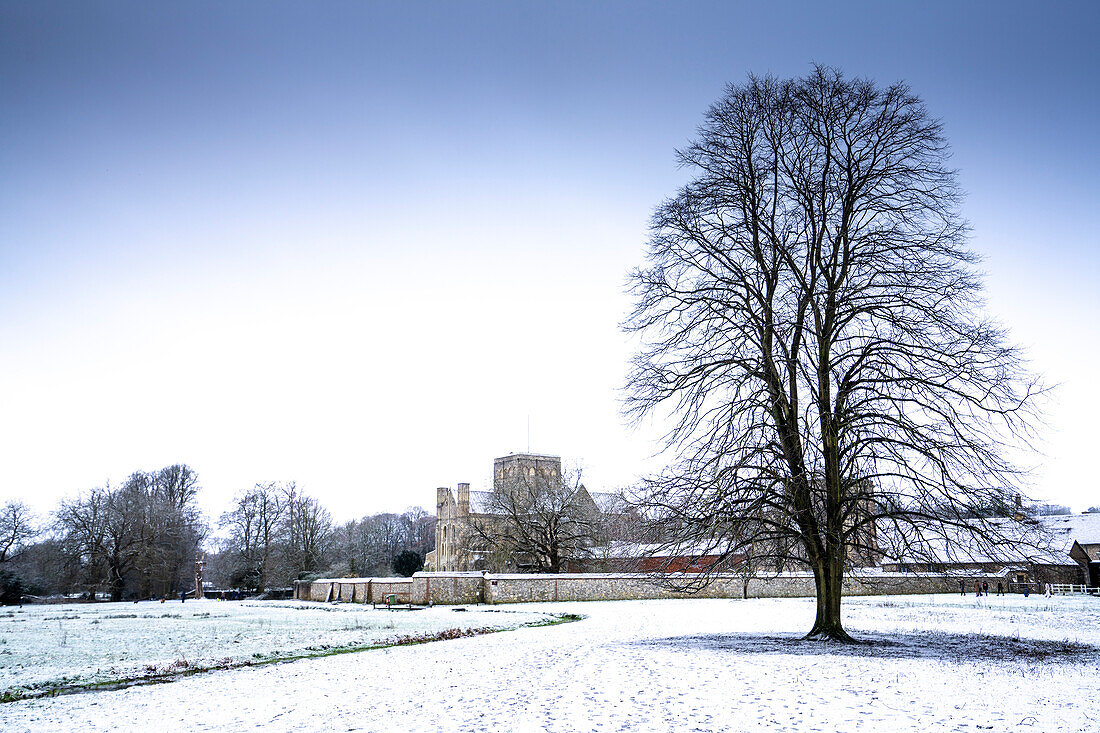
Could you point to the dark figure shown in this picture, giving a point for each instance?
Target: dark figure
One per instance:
(1027, 590)
(985, 588)
(183, 596)
(962, 587)
(977, 588)
(1000, 589)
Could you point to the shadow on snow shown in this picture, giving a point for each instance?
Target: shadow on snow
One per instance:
(942, 646)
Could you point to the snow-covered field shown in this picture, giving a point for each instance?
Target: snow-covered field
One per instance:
(940, 663)
(78, 644)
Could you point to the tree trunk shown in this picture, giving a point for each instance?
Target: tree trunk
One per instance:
(117, 586)
(829, 579)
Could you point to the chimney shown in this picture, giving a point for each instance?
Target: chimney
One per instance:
(463, 499)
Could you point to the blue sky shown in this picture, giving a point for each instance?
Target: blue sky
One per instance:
(358, 244)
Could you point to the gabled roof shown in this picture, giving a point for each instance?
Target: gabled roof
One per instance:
(1082, 528)
(1042, 539)
(608, 503)
(640, 550)
(480, 502)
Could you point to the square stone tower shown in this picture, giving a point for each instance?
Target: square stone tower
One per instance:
(534, 468)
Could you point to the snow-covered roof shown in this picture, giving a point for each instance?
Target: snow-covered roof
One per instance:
(1082, 528)
(480, 502)
(1042, 539)
(634, 550)
(608, 503)
(360, 580)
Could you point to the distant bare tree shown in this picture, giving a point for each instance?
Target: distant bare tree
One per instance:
(307, 532)
(810, 322)
(107, 534)
(542, 521)
(17, 529)
(180, 527)
(368, 546)
(254, 529)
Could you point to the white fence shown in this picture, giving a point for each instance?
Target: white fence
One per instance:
(1064, 588)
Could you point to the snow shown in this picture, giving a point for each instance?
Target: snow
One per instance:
(1045, 539)
(608, 503)
(84, 643)
(941, 663)
(481, 502)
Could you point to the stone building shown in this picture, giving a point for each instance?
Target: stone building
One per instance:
(1049, 549)
(458, 544)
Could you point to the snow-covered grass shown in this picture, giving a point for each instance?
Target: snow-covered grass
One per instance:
(78, 645)
(939, 663)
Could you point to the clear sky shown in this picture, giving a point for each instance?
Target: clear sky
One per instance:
(359, 245)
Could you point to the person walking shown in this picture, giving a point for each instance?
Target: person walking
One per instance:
(1000, 588)
(985, 587)
(978, 588)
(962, 587)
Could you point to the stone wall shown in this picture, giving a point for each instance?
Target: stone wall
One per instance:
(448, 588)
(611, 587)
(354, 590)
(400, 587)
(464, 588)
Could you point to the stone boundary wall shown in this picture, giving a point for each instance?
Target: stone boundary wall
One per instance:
(591, 587)
(466, 588)
(449, 588)
(354, 590)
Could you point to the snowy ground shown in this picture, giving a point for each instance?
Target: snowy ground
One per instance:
(78, 644)
(941, 663)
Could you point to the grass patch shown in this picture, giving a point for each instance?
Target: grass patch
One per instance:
(154, 674)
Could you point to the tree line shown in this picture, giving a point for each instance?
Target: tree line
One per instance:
(141, 539)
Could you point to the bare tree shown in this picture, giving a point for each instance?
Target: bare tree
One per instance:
(368, 546)
(17, 529)
(543, 522)
(180, 528)
(138, 538)
(107, 534)
(307, 532)
(254, 528)
(810, 325)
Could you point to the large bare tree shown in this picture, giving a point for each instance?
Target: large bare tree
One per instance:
(138, 538)
(107, 534)
(810, 327)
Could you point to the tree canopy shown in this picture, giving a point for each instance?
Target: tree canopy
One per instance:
(810, 324)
